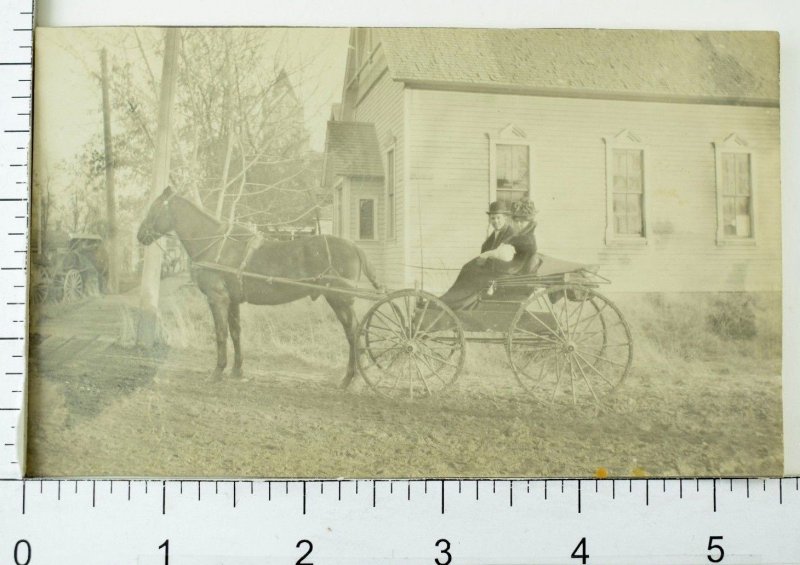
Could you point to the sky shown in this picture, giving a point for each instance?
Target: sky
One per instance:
(68, 100)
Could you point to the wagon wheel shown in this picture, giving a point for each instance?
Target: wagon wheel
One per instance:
(569, 343)
(41, 289)
(410, 344)
(72, 286)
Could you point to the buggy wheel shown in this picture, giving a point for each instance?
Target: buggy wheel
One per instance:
(72, 286)
(410, 344)
(569, 344)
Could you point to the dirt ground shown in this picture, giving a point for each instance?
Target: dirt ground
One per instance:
(100, 408)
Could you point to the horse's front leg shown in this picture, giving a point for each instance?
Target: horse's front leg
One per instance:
(236, 332)
(219, 310)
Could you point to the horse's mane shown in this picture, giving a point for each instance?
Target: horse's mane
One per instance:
(219, 223)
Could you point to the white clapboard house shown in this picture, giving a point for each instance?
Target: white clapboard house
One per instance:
(653, 154)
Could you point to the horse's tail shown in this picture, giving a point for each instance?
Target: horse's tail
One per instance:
(366, 268)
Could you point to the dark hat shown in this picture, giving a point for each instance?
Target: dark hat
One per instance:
(523, 209)
(499, 207)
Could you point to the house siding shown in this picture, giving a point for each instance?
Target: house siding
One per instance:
(379, 100)
(449, 187)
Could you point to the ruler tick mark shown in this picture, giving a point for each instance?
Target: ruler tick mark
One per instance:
(59, 490)
(164, 497)
(579, 496)
(234, 493)
(511, 493)
(304, 498)
(198, 491)
(23, 495)
(780, 490)
(94, 493)
(373, 492)
(714, 485)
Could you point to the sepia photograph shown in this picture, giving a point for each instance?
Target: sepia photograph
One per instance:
(405, 252)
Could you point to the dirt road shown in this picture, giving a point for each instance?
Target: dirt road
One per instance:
(101, 409)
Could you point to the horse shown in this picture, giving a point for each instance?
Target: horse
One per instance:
(222, 253)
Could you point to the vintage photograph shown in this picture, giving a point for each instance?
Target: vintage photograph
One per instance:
(405, 252)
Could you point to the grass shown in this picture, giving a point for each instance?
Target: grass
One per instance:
(674, 334)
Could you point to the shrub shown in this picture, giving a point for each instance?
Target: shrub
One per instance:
(732, 317)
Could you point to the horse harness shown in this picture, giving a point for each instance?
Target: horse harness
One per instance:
(255, 240)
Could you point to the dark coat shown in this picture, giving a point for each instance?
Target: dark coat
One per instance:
(475, 276)
(496, 238)
(524, 243)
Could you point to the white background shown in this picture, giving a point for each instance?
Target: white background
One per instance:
(777, 15)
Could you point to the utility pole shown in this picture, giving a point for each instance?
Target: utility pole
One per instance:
(112, 241)
(151, 271)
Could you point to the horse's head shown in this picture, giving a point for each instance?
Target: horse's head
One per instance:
(159, 220)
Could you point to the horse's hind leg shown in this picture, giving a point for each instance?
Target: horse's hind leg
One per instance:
(219, 303)
(236, 331)
(343, 308)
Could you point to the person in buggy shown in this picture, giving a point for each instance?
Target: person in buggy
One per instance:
(516, 255)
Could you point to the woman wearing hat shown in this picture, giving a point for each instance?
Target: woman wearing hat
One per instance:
(517, 255)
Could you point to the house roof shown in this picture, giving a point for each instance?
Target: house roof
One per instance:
(351, 149)
(734, 66)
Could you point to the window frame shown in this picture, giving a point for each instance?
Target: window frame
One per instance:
(626, 141)
(509, 135)
(733, 144)
(374, 219)
(390, 212)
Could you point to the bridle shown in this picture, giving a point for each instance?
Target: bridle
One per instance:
(149, 231)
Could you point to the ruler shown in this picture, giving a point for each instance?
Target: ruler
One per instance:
(16, 66)
(442, 522)
(672, 521)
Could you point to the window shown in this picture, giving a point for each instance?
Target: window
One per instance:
(509, 165)
(737, 196)
(390, 204)
(513, 172)
(735, 191)
(626, 189)
(366, 218)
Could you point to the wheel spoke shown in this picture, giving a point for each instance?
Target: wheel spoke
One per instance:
(432, 355)
(559, 339)
(433, 371)
(422, 378)
(420, 320)
(578, 317)
(388, 319)
(583, 375)
(398, 314)
(558, 378)
(592, 317)
(566, 314)
(595, 369)
(600, 357)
